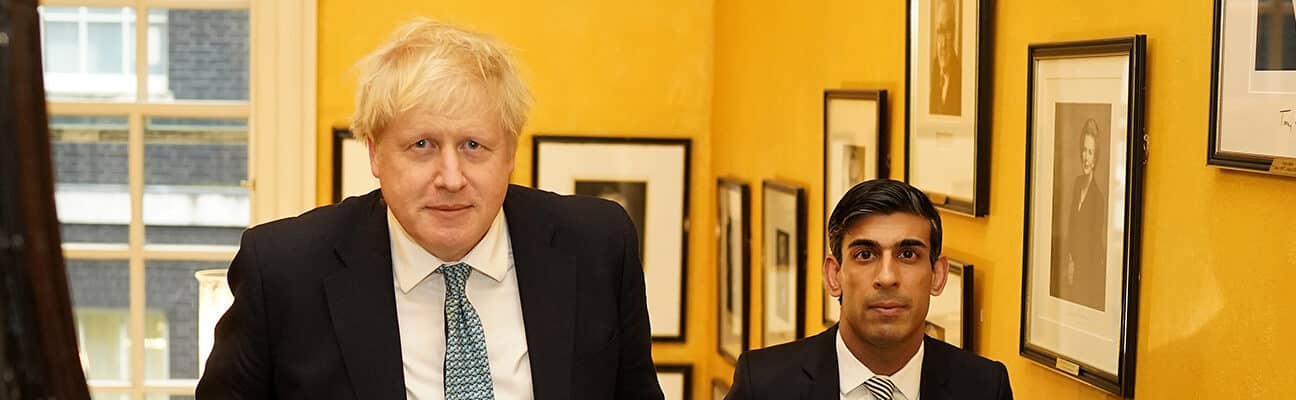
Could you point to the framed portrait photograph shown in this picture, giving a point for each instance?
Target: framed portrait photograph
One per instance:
(950, 315)
(783, 230)
(676, 380)
(718, 389)
(733, 252)
(649, 178)
(351, 173)
(947, 102)
(1253, 87)
(855, 149)
(1086, 154)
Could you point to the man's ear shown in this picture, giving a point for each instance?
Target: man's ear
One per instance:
(940, 272)
(373, 158)
(832, 277)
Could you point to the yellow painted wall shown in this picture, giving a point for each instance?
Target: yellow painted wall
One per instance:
(1219, 253)
(744, 79)
(594, 67)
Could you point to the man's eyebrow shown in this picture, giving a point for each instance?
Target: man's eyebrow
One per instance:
(912, 243)
(864, 243)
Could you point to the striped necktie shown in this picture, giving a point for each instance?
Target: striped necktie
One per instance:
(467, 371)
(881, 387)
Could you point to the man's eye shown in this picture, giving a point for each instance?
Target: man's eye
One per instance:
(864, 255)
(421, 144)
(473, 145)
(908, 254)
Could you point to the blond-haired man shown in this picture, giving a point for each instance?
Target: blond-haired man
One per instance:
(447, 282)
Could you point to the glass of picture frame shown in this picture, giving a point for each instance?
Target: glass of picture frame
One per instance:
(855, 149)
(950, 315)
(733, 263)
(1253, 87)
(948, 102)
(649, 178)
(1086, 154)
(351, 173)
(676, 380)
(783, 227)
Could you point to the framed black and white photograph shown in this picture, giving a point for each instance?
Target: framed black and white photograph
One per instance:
(351, 173)
(950, 315)
(783, 227)
(1253, 87)
(855, 149)
(1086, 154)
(676, 380)
(650, 179)
(733, 263)
(948, 104)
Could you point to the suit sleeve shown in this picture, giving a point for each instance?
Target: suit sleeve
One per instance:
(741, 388)
(636, 375)
(239, 364)
(1005, 388)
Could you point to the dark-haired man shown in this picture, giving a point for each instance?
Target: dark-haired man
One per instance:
(884, 265)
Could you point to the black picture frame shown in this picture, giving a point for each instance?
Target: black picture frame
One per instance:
(683, 369)
(954, 308)
(585, 151)
(837, 176)
(972, 114)
(1116, 310)
(1269, 89)
(726, 217)
(788, 254)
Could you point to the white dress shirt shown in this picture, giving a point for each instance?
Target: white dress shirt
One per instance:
(852, 374)
(492, 289)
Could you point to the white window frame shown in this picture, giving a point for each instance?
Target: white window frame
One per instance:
(105, 85)
(281, 148)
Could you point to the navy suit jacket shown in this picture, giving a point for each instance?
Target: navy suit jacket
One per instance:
(807, 369)
(314, 312)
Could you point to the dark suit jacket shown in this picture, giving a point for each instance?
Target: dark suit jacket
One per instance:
(314, 312)
(807, 369)
(1086, 243)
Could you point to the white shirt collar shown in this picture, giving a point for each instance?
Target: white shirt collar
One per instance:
(852, 373)
(413, 264)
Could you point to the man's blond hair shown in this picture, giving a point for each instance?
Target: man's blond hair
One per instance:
(438, 68)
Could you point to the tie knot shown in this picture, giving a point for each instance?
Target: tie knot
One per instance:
(456, 275)
(881, 387)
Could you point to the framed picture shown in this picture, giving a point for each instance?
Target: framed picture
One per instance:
(676, 380)
(1253, 87)
(855, 150)
(784, 261)
(950, 315)
(733, 262)
(1086, 154)
(947, 102)
(351, 173)
(718, 389)
(650, 179)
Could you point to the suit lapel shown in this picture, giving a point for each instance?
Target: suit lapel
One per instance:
(820, 367)
(935, 370)
(546, 285)
(362, 303)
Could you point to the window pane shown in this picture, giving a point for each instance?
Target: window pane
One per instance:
(193, 174)
(100, 297)
(90, 189)
(109, 396)
(205, 53)
(105, 52)
(87, 51)
(62, 50)
(174, 347)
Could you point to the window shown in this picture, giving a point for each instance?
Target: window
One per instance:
(157, 158)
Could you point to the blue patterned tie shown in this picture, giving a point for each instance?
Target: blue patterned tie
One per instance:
(467, 372)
